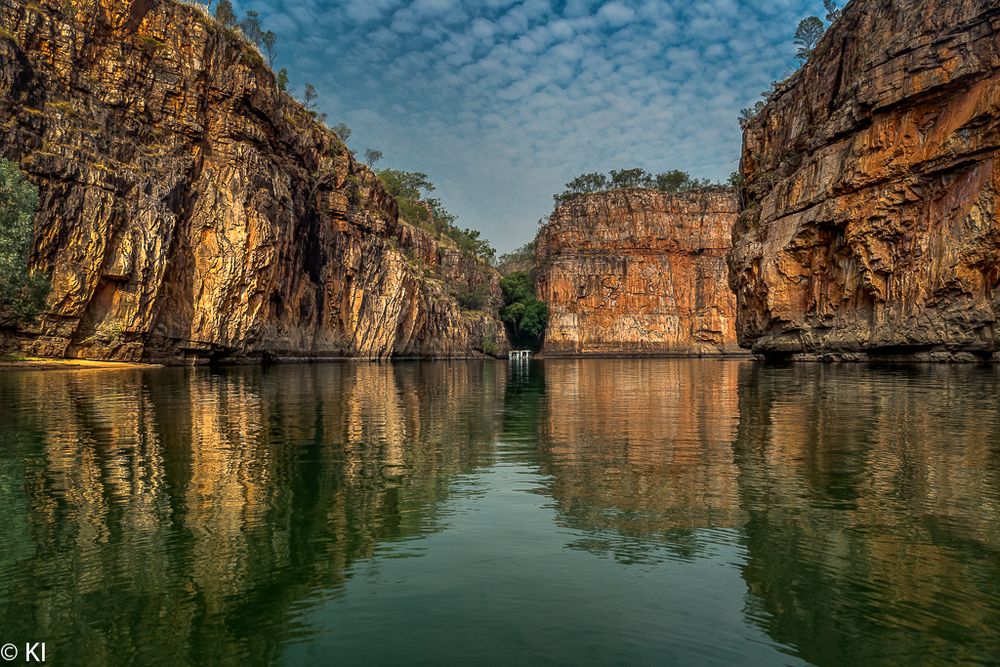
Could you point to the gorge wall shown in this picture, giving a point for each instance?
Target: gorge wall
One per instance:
(871, 216)
(638, 272)
(192, 210)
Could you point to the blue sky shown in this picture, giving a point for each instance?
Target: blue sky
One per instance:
(501, 102)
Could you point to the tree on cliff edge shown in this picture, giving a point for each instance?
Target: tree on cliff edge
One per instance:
(807, 36)
(22, 292)
(224, 13)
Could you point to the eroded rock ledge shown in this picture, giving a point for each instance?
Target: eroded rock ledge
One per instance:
(870, 224)
(638, 272)
(193, 211)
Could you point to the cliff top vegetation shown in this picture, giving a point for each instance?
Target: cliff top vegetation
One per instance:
(674, 181)
(808, 34)
(411, 190)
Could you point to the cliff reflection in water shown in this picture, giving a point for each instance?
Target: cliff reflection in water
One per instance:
(706, 508)
(191, 510)
(874, 511)
(640, 452)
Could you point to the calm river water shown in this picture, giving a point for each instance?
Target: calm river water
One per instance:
(600, 512)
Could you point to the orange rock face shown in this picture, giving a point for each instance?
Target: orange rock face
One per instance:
(634, 272)
(871, 217)
(191, 210)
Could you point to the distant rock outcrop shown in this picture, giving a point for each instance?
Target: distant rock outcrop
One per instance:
(638, 272)
(191, 210)
(871, 217)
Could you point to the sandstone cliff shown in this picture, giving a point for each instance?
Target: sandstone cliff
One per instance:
(638, 272)
(872, 190)
(191, 210)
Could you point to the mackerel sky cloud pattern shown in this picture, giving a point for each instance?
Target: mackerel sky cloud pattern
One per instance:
(501, 102)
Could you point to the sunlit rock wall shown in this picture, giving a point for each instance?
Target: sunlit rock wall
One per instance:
(638, 272)
(190, 210)
(871, 222)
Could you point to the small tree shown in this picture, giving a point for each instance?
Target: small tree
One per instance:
(22, 291)
(630, 178)
(250, 26)
(672, 181)
(807, 36)
(592, 182)
(750, 113)
(309, 96)
(342, 131)
(282, 79)
(268, 40)
(224, 13)
(372, 157)
(405, 184)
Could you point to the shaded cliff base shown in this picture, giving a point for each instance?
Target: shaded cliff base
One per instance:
(889, 355)
(616, 351)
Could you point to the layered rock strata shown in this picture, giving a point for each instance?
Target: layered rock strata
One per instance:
(638, 272)
(871, 207)
(192, 210)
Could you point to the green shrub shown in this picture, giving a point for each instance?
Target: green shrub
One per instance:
(410, 189)
(489, 344)
(522, 259)
(472, 299)
(22, 291)
(150, 45)
(525, 316)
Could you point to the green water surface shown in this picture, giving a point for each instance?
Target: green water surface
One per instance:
(597, 512)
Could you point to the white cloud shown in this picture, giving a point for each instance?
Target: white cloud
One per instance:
(616, 14)
(502, 101)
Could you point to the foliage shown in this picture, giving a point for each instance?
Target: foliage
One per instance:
(251, 27)
(489, 344)
(470, 241)
(224, 13)
(592, 182)
(671, 181)
(749, 114)
(150, 45)
(267, 40)
(410, 189)
(342, 131)
(282, 79)
(472, 299)
(807, 36)
(524, 315)
(630, 178)
(405, 184)
(372, 157)
(21, 291)
(309, 96)
(522, 259)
